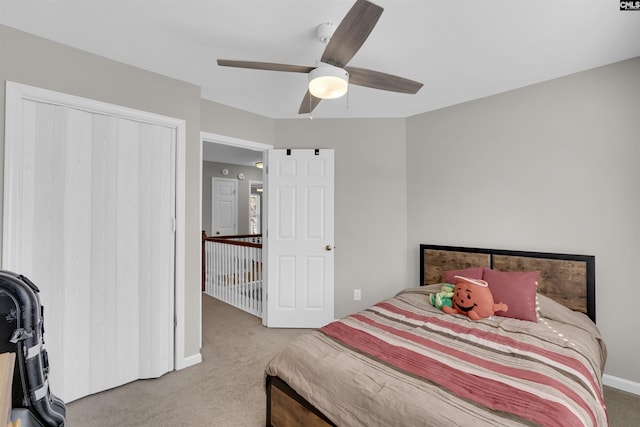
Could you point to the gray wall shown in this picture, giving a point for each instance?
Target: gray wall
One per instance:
(370, 194)
(370, 202)
(223, 120)
(551, 167)
(38, 62)
(213, 169)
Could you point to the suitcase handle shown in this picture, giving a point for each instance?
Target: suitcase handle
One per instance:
(29, 282)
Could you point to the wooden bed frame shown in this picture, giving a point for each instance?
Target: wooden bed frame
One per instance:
(565, 278)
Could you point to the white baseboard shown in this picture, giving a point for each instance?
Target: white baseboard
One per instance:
(621, 384)
(188, 361)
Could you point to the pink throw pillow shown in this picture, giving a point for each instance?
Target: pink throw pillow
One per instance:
(517, 290)
(471, 273)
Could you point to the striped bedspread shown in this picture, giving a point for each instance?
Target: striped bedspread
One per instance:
(404, 363)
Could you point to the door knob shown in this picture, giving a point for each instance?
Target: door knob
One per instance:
(328, 248)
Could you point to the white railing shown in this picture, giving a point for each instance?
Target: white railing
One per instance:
(232, 270)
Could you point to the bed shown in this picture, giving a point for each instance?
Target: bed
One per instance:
(405, 362)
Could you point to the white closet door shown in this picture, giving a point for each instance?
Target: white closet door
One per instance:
(93, 210)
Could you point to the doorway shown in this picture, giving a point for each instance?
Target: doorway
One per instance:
(232, 165)
(298, 253)
(231, 158)
(255, 207)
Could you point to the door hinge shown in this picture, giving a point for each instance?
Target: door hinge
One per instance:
(173, 224)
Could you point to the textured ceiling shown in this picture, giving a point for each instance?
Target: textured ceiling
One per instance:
(461, 50)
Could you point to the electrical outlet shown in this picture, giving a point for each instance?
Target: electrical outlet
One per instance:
(357, 294)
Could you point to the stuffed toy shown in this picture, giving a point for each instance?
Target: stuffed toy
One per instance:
(473, 298)
(443, 298)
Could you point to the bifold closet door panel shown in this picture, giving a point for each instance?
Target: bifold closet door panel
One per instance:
(114, 299)
(56, 228)
(156, 253)
(95, 232)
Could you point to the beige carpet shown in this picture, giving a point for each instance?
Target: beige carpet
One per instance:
(226, 389)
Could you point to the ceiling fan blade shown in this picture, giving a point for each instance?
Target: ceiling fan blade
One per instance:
(351, 33)
(308, 103)
(268, 66)
(378, 80)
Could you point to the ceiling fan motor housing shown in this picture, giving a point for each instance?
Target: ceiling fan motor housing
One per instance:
(325, 31)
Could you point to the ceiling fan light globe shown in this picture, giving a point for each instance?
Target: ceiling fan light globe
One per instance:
(328, 82)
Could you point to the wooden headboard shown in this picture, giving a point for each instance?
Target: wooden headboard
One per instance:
(567, 279)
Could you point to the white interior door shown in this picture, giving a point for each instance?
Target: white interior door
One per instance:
(90, 202)
(300, 238)
(224, 210)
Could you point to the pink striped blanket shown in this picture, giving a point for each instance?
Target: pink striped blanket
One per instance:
(403, 362)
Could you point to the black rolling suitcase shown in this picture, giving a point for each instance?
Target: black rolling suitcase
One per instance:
(21, 330)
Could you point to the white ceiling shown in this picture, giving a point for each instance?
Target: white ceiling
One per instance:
(460, 49)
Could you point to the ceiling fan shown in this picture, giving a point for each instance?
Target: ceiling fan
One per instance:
(346, 40)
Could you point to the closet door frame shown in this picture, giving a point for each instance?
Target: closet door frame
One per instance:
(15, 94)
